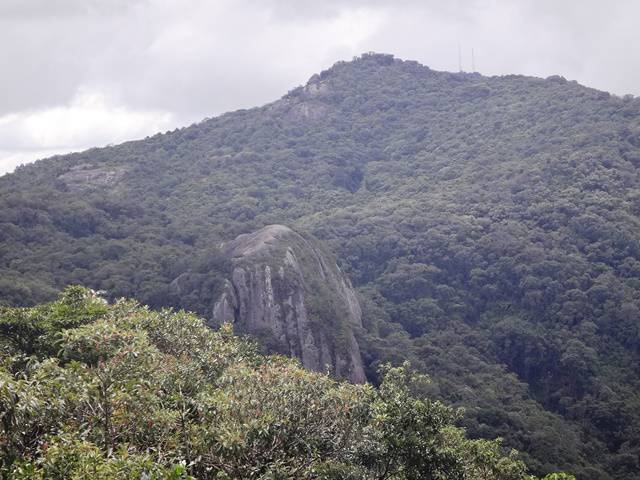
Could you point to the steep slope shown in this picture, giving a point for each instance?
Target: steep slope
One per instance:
(490, 223)
(289, 293)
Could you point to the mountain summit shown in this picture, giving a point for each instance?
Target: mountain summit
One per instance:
(490, 224)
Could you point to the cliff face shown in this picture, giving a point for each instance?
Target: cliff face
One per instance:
(287, 290)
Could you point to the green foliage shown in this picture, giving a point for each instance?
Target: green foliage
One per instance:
(158, 395)
(67, 457)
(36, 331)
(490, 223)
(559, 476)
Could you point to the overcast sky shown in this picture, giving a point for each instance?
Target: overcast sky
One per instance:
(81, 73)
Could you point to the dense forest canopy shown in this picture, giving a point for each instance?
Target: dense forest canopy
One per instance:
(491, 225)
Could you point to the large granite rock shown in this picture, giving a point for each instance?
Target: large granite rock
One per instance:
(287, 291)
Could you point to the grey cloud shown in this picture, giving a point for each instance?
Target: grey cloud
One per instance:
(205, 57)
(49, 9)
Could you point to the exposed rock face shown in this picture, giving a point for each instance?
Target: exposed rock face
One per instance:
(87, 176)
(288, 291)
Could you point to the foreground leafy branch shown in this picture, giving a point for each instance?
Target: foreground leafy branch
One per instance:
(92, 391)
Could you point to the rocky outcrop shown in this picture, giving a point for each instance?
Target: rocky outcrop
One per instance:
(87, 176)
(287, 291)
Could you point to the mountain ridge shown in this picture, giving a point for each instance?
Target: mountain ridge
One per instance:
(380, 58)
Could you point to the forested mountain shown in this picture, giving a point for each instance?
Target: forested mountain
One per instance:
(491, 225)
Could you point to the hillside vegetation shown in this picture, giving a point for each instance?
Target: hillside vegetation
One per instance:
(91, 391)
(491, 225)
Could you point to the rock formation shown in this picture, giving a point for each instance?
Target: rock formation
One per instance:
(287, 291)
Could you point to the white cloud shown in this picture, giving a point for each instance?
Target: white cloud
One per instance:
(90, 119)
(10, 159)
